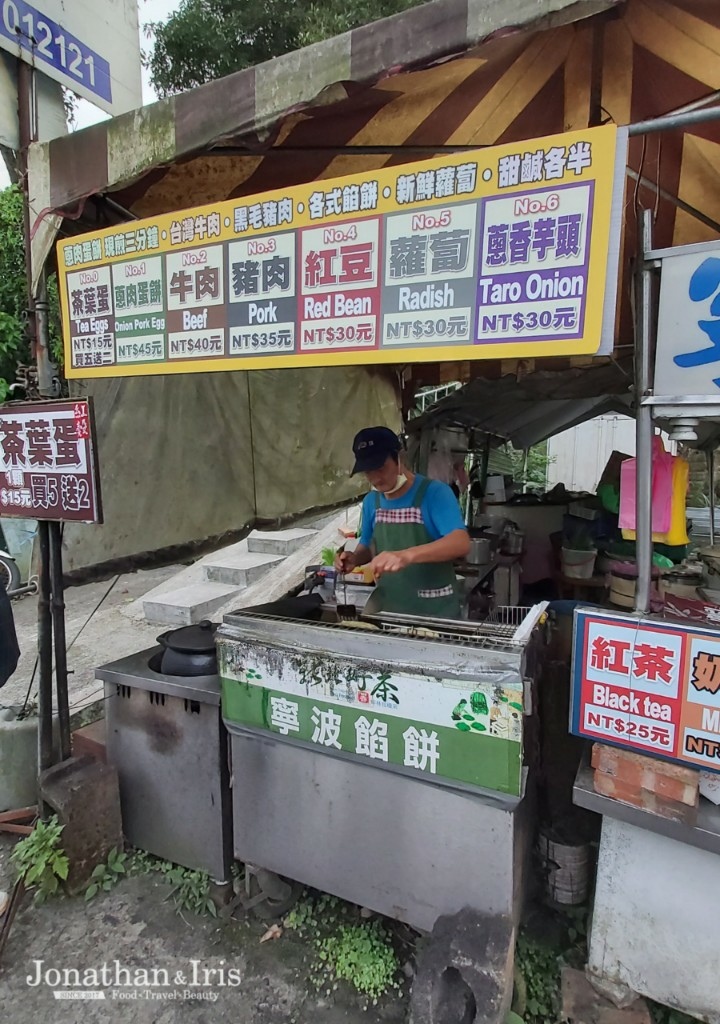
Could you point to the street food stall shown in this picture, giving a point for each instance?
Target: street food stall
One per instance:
(365, 750)
(358, 736)
(506, 254)
(490, 253)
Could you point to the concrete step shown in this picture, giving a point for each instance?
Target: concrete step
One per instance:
(278, 542)
(189, 604)
(239, 570)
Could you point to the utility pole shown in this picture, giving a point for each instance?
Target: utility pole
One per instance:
(27, 123)
(37, 308)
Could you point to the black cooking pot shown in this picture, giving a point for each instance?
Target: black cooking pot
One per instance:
(190, 650)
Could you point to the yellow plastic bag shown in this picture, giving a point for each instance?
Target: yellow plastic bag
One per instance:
(677, 534)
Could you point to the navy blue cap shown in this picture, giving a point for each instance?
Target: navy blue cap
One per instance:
(372, 446)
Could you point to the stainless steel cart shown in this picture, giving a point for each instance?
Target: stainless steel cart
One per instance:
(385, 767)
(166, 738)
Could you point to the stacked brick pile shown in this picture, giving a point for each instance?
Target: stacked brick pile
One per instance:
(89, 741)
(670, 790)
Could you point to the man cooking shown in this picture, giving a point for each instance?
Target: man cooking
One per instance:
(411, 533)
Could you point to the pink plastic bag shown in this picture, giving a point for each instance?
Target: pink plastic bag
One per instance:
(662, 471)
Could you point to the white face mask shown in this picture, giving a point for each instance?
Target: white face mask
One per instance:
(399, 484)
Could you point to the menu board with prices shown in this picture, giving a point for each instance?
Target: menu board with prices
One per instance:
(647, 684)
(506, 251)
(48, 462)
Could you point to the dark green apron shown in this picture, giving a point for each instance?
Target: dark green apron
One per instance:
(419, 589)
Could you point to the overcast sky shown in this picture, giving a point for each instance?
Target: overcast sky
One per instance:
(148, 11)
(86, 113)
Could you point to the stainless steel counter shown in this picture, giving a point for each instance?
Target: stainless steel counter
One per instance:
(704, 834)
(134, 670)
(488, 649)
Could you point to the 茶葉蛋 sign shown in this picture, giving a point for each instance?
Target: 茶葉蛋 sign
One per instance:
(92, 47)
(505, 251)
(47, 462)
(648, 685)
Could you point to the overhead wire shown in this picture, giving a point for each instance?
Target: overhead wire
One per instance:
(87, 621)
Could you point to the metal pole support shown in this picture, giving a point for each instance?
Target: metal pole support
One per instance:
(57, 604)
(711, 486)
(48, 377)
(643, 417)
(45, 658)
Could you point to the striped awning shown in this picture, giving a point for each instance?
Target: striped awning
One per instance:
(404, 88)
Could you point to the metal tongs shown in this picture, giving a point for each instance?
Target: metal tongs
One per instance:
(341, 579)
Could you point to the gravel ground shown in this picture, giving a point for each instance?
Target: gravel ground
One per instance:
(137, 925)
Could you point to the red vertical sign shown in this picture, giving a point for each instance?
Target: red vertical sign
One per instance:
(47, 462)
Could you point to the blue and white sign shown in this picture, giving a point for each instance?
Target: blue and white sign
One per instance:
(688, 336)
(91, 47)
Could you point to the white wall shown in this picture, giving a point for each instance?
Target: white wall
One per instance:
(579, 456)
(655, 926)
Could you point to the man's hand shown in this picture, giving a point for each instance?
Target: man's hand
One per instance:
(390, 561)
(345, 561)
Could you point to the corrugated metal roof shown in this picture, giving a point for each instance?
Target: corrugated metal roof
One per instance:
(500, 462)
(529, 411)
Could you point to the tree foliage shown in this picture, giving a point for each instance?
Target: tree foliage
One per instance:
(13, 287)
(535, 472)
(14, 345)
(208, 39)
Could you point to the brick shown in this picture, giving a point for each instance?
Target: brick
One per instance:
(640, 777)
(608, 785)
(85, 795)
(614, 761)
(90, 741)
(672, 789)
(581, 1004)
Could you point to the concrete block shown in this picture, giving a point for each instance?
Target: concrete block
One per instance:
(19, 758)
(89, 741)
(465, 973)
(582, 1004)
(188, 605)
(608, 785)
(85, 795)
(239, 570)
(278, 542)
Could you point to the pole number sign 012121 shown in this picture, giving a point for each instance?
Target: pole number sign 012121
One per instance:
(648, 684)
(67, 40)
(47, 462)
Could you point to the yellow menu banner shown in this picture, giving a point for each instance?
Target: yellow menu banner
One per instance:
(501, 252)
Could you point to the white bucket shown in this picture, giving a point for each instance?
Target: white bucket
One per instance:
(495, 490)
(567, 867)
(578, 565)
